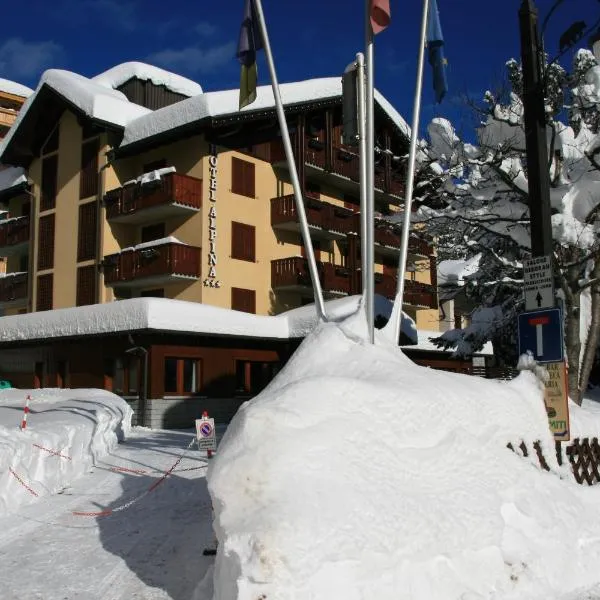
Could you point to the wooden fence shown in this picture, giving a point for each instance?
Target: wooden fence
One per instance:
(583, 455)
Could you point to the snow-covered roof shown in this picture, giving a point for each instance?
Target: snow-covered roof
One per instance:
(164, 314)
(225, 103)
(122, 73)
(16, 89)
(94, 100)
(453, 272)
(11, 177)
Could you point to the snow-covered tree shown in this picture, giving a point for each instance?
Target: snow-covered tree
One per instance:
(481, 194)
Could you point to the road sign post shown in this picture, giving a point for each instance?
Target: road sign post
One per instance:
(556, 399)
(541, 333)
(205, 434)
(538, 283)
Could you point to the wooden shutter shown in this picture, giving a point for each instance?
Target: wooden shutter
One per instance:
(243, 241)
(46, 242)
(49, 182)
(45, 284)
(244, 300)
(87, 233)
(243, 177)
(88, 177)
(86, 285)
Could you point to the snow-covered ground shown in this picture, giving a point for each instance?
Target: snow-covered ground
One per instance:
(149, 551)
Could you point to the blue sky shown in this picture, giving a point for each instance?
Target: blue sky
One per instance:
(310, 38)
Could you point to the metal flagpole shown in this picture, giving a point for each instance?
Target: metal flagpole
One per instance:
(369, 292)
(396, 319)
(362, 156)
(289, 154)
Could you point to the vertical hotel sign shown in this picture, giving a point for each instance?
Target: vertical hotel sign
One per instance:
(213, 160)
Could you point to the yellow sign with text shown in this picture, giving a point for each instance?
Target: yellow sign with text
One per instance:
(556, 398)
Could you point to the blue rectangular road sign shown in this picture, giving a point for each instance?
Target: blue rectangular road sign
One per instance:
(541, 333)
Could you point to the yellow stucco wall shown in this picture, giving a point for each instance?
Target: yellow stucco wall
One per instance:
(191, 157)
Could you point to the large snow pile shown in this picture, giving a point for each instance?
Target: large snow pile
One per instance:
(357, 474)
(81, 425)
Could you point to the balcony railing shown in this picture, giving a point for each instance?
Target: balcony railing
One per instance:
(416, 293)
(420, 294)
(171, 195)
(293, 273)
(7, 117)
(14, 234)
(344, 162)
(161, 263)
(331, 220)
(13, 287)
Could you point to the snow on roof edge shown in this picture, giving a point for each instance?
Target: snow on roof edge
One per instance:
(165, 314)
(120, 74)
(16, 89)
(225, 103)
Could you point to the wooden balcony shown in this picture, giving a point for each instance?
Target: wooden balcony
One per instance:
(159, 264)
(170, 196)
(14, 236)
(292, 274)
(344, 162)
(422, 295)
(7, 117)
(387, 241)
(325, 221)
(13, 289)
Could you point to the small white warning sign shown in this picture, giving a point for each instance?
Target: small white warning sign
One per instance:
(205, 433)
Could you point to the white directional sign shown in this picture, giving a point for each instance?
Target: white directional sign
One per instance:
(539, 285)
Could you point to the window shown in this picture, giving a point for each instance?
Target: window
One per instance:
(243, 300)
(313, 190)
(153, 232)
(242, 177)
(24, 263)
(87, 233)
(243, 241)
(351, 202)
(253, 376)
(45, 284)
(26, 209)
(46, 242)
(122, 376)
(86, 285)
(39, 375)
(183, 376)
(154, 165)
(316, 244)
(88, 178)
(62, 374)
(49, 185)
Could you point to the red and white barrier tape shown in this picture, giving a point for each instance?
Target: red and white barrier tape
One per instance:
(109, 511)
(53, 452)
(32, 492)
